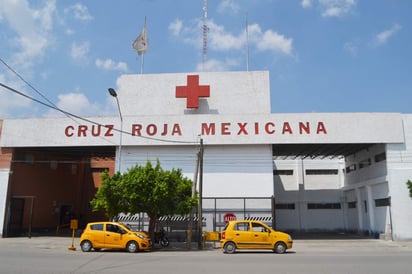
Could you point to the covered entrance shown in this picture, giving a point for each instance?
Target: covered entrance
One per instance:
(51, 186)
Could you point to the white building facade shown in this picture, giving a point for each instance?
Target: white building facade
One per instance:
(314, 188)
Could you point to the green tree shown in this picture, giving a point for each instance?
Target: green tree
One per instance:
(148, 189)
(409, 184)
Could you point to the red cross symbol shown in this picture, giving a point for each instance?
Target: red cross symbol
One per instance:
(192, 91)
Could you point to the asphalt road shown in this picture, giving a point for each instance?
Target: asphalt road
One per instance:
(52, 255)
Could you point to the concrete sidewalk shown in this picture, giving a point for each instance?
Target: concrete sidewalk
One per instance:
(300, 245)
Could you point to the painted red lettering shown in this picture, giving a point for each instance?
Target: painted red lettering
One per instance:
(69, 131)
(286, 128)
(176, 130)
(208, 129)
(136, 130)
(321, 128)
(151, 129)
(82, 131)
(242, 129)
(304, 127)
(270, 128)
(109, 129)
(256, 128)
(96, 130)
(225, 128)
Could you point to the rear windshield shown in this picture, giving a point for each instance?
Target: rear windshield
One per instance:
(225, 227)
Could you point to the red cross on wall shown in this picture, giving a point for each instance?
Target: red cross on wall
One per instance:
(192, 91)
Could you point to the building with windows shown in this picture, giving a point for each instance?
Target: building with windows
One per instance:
(306, 172)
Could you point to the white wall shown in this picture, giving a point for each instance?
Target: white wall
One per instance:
(301, 189)
(399, 161)
(228, 171)
(4, 180)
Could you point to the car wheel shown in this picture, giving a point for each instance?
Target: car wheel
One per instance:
(132, 246)
(164, 242)
(86, 246)
(229, 248)
(280, 248)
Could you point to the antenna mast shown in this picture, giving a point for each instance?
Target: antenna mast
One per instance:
(205, 29)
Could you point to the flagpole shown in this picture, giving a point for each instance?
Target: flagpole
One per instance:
(140, 44)
(142, 64)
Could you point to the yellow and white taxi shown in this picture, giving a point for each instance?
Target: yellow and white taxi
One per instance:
(244, 234)
(100, 235)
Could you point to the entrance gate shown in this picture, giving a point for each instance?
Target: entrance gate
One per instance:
(213, 219)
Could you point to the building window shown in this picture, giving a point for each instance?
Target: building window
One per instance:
(382, 202)
(380, 157)
(352, 204)
(283, 172)
(350, 168)
(285, 206)
(365, 163)
(321, 172)
(324, 206)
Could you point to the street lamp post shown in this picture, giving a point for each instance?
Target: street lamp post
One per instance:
(114, 94)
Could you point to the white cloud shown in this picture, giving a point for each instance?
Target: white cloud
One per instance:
(75, 103)
(176, 27)
(230, 5)
(383, 37)
(80, 12)
(79, 51)
(331, 8)
(270, 40)
(351, 48)
(336, 8)
(221, 40)
(45, 15)
(306, 3)
(217, 65)
(31, 28)
(109, 64)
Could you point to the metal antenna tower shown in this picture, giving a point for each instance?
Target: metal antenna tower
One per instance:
(205, 29)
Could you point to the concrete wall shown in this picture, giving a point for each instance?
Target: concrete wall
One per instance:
(229, 171)
(399, 161)
(302, 190)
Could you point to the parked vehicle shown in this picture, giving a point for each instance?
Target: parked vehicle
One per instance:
(243, 234)
(100, 235)
(161, 238)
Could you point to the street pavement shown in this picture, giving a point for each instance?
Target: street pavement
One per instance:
(309, 255)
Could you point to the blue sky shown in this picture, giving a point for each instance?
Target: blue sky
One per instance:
(322, 55)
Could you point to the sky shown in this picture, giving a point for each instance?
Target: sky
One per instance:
(322, 55)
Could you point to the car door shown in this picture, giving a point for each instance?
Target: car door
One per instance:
(241, 234)
(260, 236)
(96, 235)
(113, 237)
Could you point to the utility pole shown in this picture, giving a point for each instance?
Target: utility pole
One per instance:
(192, 213)
(199, 211)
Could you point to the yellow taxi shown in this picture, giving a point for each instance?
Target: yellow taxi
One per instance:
(100, 235)
(244, 234)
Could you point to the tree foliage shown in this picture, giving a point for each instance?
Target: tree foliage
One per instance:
(409, 184)
(148, 189)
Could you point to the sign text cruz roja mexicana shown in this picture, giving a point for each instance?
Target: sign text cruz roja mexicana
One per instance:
(214, 129)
